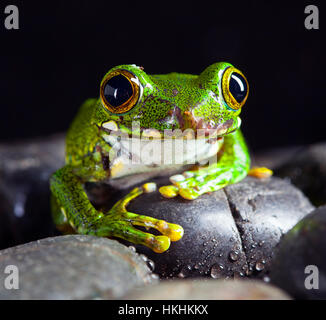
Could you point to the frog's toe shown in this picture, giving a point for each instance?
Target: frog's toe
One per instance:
(186, 185)
(260, 173)
(127, 232)
(173, 231)
(169, 191)
(189, 193)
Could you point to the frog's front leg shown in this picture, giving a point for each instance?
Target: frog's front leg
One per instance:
(70, 198)
(232, 167)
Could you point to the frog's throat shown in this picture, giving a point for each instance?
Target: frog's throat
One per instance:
(131, 156)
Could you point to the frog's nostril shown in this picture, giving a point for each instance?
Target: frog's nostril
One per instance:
(189, 120)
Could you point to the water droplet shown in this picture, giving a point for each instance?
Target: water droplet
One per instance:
(216, 271)
(144, 257)
(261, 243)
(155, 276)
(234, 255)
(132, 248)
(267, 279)
(150, 264)
(184, 272)
(259, 266)
(197, 265)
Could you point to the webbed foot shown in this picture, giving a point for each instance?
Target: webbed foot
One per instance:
(191, 184)
(119, 222)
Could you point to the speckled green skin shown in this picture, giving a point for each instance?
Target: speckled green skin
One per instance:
(165, 103)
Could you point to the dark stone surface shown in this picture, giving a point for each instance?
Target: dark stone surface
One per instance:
(73, 267)
(210, 236)
(210, 289)
(302, 246)
(306, 169)
(228, 233)
(274, 157)
(25, 168)
(264, 210)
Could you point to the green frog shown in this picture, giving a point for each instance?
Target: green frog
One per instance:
(143, 124)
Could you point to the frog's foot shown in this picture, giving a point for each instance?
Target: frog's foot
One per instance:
(120, 223)
(191, 184)
(260, 172)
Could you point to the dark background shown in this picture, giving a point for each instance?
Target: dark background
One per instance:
(63, 48)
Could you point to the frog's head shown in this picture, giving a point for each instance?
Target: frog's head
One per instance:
(211, 101)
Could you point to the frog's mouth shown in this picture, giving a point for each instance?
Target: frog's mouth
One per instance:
(190, 128)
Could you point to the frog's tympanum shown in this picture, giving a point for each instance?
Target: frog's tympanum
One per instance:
(181, 118)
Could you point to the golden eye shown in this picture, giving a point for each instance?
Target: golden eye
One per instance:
(119, 91)
(235, 88)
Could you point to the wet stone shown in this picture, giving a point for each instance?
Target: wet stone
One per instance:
(25, 169)
(299, 266)
(264, 210)
(205, 219)
(208, 290)
(306, 169)
(73, 267)
(227, 233)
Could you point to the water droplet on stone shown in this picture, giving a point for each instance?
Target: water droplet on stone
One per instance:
(144, 257)
(216, 271)
(150, 264)
(259, 266)
(234, 255)
(132, 248)
(267, 279)
(155, 276)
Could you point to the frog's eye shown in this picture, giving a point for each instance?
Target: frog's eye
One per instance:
(119, 91)
(235, 88)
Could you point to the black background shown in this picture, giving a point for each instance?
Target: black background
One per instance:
(63, 48)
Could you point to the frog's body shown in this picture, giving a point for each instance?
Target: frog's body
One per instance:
(110, 138)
